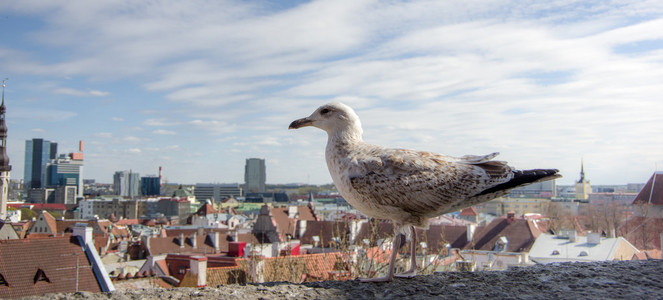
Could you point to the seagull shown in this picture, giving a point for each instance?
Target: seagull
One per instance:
(406, 186)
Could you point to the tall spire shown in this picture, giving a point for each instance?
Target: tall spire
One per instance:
(582, 171)
(4, 159)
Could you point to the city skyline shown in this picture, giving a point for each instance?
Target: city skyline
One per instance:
(199, 87)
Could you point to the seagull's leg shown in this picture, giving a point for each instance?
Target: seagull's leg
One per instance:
(413, 256)
(392, 262)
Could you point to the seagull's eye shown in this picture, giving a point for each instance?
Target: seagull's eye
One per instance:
(324, 111)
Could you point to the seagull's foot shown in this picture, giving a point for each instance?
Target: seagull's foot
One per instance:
(407, 274)
(378, 279)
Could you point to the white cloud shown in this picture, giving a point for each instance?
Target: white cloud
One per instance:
(79, 93)
(163, 132)
(159, 122)
(104, 135)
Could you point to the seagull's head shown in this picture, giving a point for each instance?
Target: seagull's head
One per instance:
(334, 118)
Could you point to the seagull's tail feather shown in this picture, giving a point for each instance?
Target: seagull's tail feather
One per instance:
(520, 178)
(523, 177)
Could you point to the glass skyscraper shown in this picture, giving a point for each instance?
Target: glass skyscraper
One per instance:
(38, 152)
(255, 175)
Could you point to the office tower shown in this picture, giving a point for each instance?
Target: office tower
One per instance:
(38, 153)
(255, 175)
(4, 159)
(126, 183)
(216, 191)
(150, 186)
(64, 175)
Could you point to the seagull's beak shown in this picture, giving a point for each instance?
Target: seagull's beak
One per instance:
(303, 122)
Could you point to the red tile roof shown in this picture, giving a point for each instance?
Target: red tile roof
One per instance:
(55, 257)
(206, 209)
(171, 244)
(285, 225)
(436, 237)
(520, 234)
(642, 232)
(469, 212)
(325, 230)
(646, 195)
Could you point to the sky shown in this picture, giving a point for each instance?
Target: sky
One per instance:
(197, 87)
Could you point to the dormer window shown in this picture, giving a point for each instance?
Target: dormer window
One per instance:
(3, 282)
(555, 252)
(41, 276)
(583, 253)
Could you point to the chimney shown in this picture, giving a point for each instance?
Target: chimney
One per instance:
(198, 267)
(194, 237)
(235, 236)
(215, 241)
(572, 236)
(593, 238)
(150, 262)
(146, 241)
(292, 211)
(302, 228)
(510, 217)
(181, 240)
(236, 249)
(471, 228)
(85, 232)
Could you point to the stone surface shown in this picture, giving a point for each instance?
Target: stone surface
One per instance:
(602, 280)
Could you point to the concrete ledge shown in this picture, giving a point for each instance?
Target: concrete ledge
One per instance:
(602, 280)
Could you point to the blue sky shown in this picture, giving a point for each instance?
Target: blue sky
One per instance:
(199, 86)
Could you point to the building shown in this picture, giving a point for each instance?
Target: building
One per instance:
(255, 175)
(126, 183)
(216, 191)
(34, 267)
(150, 186)
(543, 189)
(38, 153)
(502, 205)
(7, 231)
(270, 197)
(570, 247)
(5, 168)
(64, 176)
(650, 199)
(583, 187)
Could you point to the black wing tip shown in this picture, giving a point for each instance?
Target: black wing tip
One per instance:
(524, 177)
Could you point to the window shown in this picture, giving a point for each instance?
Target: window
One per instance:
(555, 252)
(3, 281)
(583, 253)
(41, 276)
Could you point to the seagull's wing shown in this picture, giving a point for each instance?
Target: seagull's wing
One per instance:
(424, 183)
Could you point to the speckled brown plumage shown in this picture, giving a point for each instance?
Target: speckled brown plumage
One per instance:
(407, 186)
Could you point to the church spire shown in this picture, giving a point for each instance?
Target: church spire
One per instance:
(4, 159)
(582, 171)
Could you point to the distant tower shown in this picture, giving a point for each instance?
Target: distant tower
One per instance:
(583, 188)
(38, 153)
(126, 183)
(255, 175)
(4, 159)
